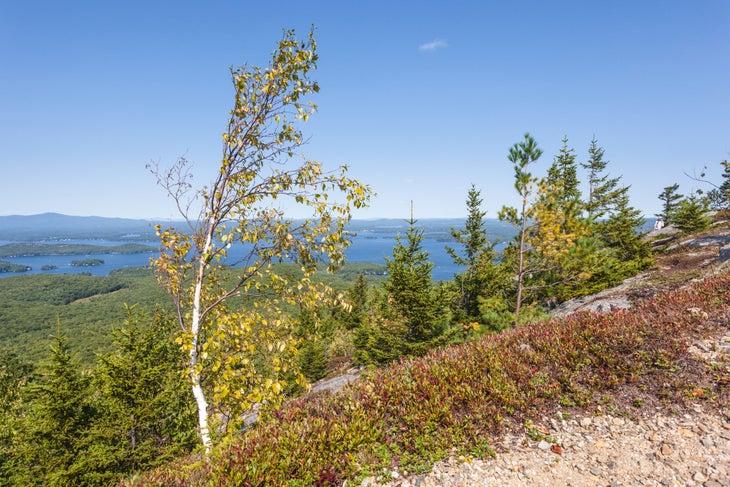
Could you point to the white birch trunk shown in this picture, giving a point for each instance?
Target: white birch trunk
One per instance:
(198, 392)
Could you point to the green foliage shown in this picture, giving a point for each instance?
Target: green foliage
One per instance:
(73, 428)
(565, 252)
(46, 445)
(408, 288)
(87, 262)
(34, 249)
(670, 197)
(414, 412)
(10, 267)
(719, 197)
(521, 155)
(412, 316)
(88, 306)
(359, 304)
(409, 315)
(14, 375)
(619, 233)
(689, 215)
(143, 414)
(496, 315)
(482, 274)
(563, 175)
(602, 189)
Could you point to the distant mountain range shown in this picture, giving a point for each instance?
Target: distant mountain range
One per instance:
(55, 226)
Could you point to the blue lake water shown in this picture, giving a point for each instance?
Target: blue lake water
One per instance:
(367, 247)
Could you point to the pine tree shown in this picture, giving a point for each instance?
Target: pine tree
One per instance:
(477, 256)
(603, 191)
(521, 155)
(670, 197)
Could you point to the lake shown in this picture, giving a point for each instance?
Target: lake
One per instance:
(374, 242)
(366, 247)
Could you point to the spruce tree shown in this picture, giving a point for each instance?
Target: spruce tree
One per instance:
(618, 231)
(144, 415)
(689, 215)
(603, 191)
(562, 175)
(412, 315)
(477, 256)
(669, 197)
(14, 375)
(48, 443)
(408, 286)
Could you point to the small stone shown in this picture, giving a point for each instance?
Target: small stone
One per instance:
(596, 471)
(585, 422)
(685, 433)
(707, 441)
(666, 450)
(543, 445)
(699, 477)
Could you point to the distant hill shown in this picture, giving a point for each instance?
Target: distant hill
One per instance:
(57, 226)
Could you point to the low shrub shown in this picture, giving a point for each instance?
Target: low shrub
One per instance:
(416, 411)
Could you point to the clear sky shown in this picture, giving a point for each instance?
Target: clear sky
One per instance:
(419, 98)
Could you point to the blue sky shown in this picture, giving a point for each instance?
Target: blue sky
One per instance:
(420, 98)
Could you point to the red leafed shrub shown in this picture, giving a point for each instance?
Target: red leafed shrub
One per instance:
(414, 412)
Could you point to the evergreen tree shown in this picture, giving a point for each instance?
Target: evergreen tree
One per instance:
(412, 316)
(689, 215)
(521, 155)
(14, 375)
(618, 232)
(564, 254)
(670, 197)
(408, 286)
(603, 191)
(357, 297)
(615, 220)
(145, 415)
(719, 197)
(562, 175)
(477, 256)
(48, 442)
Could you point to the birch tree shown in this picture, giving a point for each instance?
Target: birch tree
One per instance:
(240, 350)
